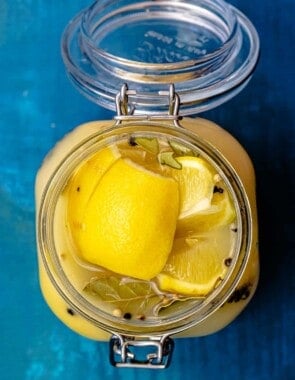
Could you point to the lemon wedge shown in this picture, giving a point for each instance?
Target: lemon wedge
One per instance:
(129, 222)
(196, 264)
(220, 213)
(196, 183)
(82, 184)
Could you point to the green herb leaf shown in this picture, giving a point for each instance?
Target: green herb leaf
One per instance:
(167, 158)
(148, 143)
(131, 296)
(180, 150)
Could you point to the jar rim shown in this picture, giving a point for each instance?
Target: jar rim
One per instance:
(49, 254)
(209, 56)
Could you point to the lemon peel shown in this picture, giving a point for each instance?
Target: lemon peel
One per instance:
(85, 179)
(130, 220)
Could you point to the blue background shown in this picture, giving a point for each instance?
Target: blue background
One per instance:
(38, 106)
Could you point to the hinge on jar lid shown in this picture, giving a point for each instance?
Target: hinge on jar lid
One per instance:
(125, 110)
(122, 352)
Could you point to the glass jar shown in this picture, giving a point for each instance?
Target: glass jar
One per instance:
(209, 57)
(207, 48)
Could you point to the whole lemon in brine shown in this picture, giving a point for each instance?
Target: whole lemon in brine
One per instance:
(129, 221)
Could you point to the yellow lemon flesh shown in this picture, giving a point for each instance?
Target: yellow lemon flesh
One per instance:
(196, 183)
(203, 239)
(82, 184)
(196, 264)
(220, 213)
(129, 221)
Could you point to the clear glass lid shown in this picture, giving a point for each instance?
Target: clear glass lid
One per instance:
(207, 48)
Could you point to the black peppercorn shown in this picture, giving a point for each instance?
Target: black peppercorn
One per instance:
(228, 261)
(241, 293)
(70, 311)
(218, 190)
(132, 141)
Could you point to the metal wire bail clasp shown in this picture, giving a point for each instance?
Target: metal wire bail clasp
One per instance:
(126, 109)
(124, 352)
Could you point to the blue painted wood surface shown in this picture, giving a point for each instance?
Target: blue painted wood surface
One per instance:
(38, 106)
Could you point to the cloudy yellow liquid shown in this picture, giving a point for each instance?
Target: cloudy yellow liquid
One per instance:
(238, 158)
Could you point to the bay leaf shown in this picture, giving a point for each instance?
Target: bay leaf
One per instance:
(167, 158)
(180, 149)
(150, 144)
(131, 296)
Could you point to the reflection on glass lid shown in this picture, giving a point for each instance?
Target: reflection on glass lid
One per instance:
(207, 48)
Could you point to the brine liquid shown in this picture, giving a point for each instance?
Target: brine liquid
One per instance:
(127, 297)
(82, 275)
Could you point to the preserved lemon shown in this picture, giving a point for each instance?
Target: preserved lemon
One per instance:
(129, 221)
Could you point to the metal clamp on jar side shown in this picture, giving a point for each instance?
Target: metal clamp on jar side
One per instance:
(123, 355)
(125, 108)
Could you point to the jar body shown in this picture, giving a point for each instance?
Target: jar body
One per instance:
(232, 151)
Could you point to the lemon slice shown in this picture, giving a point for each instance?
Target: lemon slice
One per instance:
(129, 222)
(82, 184)
(196, 183)
(220, 213)
(197, 264)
